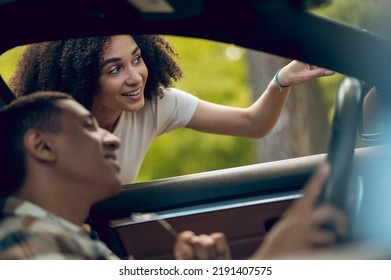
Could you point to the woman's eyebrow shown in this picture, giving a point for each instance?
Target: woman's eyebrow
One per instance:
(136, 49)
(110, 60)
(116, 59)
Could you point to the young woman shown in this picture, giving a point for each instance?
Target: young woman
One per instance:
(126, 82)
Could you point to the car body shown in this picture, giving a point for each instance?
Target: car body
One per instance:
(243, 202)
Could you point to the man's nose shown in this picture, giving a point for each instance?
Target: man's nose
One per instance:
(110, 140)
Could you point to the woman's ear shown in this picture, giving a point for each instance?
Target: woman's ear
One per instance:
(39, 145)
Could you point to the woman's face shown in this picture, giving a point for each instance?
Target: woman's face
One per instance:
(122, 78)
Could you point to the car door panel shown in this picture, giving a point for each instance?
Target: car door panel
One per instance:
(242, 202)
(244, 227)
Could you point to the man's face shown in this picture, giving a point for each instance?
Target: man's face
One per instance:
(86, 153)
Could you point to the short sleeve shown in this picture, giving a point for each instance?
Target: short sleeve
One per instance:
(175, 110)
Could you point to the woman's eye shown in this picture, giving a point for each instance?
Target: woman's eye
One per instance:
(114, 70)
(137, 59)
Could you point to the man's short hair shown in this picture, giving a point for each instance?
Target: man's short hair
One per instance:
(35, 111)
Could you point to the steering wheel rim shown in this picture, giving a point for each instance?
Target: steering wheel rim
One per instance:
(342, 145)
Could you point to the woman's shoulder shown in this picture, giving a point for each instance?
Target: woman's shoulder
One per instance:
(173, 90)
(177, 94)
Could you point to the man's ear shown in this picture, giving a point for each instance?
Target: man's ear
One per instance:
(40, 145)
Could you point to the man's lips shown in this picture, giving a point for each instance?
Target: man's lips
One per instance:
(113, 159)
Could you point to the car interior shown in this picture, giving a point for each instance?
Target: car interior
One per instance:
(244, 202)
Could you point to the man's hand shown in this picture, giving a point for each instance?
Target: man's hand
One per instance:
(190, 246)
(299, 230)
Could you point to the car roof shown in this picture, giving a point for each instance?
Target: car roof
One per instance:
(280, 27)
(198, 18)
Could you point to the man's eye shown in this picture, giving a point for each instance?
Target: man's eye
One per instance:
(90, 126)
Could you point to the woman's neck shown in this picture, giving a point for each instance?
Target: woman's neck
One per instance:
(107, 120)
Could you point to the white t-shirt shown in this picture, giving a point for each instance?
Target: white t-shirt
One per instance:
(137, 129)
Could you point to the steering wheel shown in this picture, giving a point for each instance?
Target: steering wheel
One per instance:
(341, 148)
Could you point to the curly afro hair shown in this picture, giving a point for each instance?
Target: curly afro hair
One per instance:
(73, 66)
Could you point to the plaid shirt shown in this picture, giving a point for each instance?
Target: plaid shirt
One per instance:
(29, 232)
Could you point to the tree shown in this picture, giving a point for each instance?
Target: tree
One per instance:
(303, 127)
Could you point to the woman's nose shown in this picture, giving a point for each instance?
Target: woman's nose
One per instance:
(133, 76)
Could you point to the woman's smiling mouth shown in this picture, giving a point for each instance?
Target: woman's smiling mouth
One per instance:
(132, 93)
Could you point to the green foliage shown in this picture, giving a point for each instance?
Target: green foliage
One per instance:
(360, 13)
(329, 87)
(211, 75)
(8, 61)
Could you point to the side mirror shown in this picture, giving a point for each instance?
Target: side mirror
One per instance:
(372, 115)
